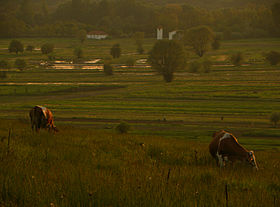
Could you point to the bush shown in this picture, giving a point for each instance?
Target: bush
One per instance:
(16, 46)
(78, 52)
(3, 74)
(4, 64)
(47, 48)
(123, 127)
(206, 66)
(237, 59)
(216, 44)
(194, 67)
(115, 51)
(29, 48)
(20, 64)
(130, 61)
(108, 69)
(273, 57)
(274, 118)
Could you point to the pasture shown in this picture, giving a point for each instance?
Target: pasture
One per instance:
(89, 164)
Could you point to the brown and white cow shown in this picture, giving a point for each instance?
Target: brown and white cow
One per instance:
(225, 146)
(41, 117)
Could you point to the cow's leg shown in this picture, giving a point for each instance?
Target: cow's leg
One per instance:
(221, 160)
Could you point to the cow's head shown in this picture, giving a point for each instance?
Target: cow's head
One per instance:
(52, 127)
(252, 159)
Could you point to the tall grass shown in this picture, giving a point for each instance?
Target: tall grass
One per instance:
(85, 167)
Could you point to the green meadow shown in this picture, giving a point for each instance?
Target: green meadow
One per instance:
(164, 158)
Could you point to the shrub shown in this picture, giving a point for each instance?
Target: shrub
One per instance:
(216, 44)
(274, 118)
(194, 67)
(78, 52)
(130, 61)
(4, 64)
(108, 69)
(16, 46)
(47, 48)
(273, 57)
(20, 64)
(51, 56)
(237, 59)
(115, 51)
(29, 48)
(3, 74)
(206, 66)
(123, 127)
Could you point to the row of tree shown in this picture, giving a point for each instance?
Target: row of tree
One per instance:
(125, 17)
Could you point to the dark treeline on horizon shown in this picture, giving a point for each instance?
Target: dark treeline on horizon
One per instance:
(122, 18)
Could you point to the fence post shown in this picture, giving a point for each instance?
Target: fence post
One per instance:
(226, 194)
(9, 138)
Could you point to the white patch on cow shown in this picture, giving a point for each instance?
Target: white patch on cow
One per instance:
(220, 158)
(226, 135)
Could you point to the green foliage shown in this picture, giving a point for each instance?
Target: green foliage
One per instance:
(108, 68)
(123, 127)
(82, 35)
(16, 46)
(199, 38)
(138, 38)
(273, 57)
(47, 48)
(29, 48)
(4, 64)
(200, 66)
(115, 51)
(275, 118)
(194, 66)
(20, 64)
(130, 61)
(78, 52)
(3, 74)
(216, 44)
(166, 57)
(237, 59)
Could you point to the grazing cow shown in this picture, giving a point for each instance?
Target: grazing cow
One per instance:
(225, 146)
(41, 117)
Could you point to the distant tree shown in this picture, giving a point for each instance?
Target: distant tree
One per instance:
(47, 48)
(138, 38)
(166, 57)
(78, 52)
(275, 9)
(123, 127)
(130, 61)
(115, 51)
(274, 118)
(3, 74)
(29, 48)
(237, 59)
(20, 64)
(16, 46)
(199, 38)
(82, 35)
(216, 44)
(273, 57)
(108, 68)
(4, 64)
(194, 66)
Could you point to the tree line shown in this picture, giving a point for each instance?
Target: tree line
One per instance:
(122, 18)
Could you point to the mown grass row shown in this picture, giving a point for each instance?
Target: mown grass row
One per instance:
(85, 167)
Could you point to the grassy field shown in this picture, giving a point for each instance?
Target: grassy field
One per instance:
(88, 164)
(88, 167)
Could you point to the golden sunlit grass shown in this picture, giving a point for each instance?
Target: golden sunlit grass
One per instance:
(85, 167)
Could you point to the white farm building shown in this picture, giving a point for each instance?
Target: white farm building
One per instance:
(98, 35)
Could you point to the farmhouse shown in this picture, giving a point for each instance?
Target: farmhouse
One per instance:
(98, 35)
